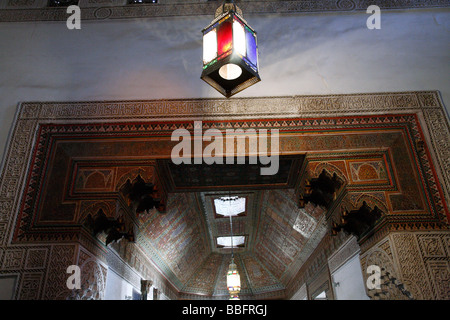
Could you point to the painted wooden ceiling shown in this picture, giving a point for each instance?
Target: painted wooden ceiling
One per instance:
(185, 238)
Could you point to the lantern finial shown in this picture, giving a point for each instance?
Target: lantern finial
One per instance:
(226, 7)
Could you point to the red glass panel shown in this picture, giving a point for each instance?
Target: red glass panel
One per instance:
(224, 37)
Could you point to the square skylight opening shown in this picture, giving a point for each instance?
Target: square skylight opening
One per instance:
(225, 242)
(230, 206)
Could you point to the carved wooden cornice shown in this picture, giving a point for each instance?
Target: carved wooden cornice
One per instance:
(37, 10)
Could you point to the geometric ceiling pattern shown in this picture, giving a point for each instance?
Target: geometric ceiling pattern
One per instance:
(272, 243)
(77, 168)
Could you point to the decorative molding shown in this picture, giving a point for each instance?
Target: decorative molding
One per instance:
(13, 259)
(93, 277)
(101, 3)
(410, 262)
(36, 10)
(230, 109)
(439, 135)
(31, 285)
(23, 4)
(315, 265)
(345, 252)
(120, 267)
(36, 258)
(129, 262)
(427, 103)
(301, 294)
(420, 260)
(61, 257)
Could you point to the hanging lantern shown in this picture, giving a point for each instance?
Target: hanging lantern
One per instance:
(230, 52)
(233, 280)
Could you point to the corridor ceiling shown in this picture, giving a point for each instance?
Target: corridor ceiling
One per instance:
(185, 238)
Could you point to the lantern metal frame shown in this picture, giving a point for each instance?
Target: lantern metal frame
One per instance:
(250, 75)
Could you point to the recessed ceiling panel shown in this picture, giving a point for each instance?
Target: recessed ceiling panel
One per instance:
(230, 242)
(204, 177)
(229, 206)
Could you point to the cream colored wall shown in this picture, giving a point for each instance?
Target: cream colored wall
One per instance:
(160, 58)
(117, 288)
(348, 281)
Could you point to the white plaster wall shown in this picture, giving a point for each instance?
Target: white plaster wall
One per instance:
(348, 281)
(160, 58)
(117, 288)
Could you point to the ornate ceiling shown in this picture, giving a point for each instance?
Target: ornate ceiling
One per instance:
(185, 239)
(83, 153)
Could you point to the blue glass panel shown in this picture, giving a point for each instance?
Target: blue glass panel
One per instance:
(252, 51)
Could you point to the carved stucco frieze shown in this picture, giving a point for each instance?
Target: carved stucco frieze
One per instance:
(93, 277)
(37, 10)
(343, 254)
(419, 260)
(61, 257)
(439, 133)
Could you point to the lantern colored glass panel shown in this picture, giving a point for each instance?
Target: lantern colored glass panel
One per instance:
(252, 51)
(239, 38)
(209, 46)
(233, 279)
(224, 38)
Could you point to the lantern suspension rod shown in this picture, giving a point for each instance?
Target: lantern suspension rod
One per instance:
(231, 227)
(231, 224)
(229, 1)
